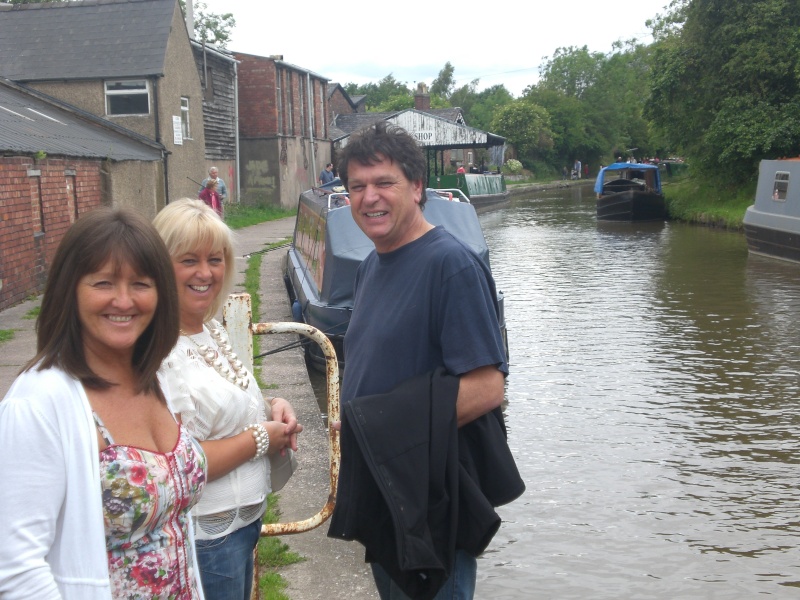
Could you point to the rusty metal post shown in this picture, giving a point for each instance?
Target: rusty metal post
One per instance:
(236, 318)
(332, 378)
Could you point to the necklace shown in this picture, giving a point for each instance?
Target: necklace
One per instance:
(236, 373)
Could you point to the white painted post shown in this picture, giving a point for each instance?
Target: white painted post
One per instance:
(237, 317)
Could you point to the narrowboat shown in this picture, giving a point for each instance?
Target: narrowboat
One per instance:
(484, 190)
(320, 266)
(630, 192)
(772, 223)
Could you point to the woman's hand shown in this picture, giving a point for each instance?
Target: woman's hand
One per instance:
(283, 414)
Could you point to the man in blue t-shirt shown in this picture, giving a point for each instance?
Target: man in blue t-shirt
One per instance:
(422, 300)
(326, 176)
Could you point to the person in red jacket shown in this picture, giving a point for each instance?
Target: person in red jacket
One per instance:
(210, 196)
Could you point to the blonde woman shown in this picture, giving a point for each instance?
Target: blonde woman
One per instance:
(219, 402)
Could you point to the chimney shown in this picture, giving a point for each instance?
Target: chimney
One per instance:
(190, 18)
(422, 99)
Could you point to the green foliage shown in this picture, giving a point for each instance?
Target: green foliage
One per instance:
(728, 85)
(271, 554)
(444, 84)
(211, 28)
(6, 334)
(382, 93)
(698, 200)
(525, 125)
(571, 71)
(241, 215)
(512, 167)
(479, 108)
(33, 313)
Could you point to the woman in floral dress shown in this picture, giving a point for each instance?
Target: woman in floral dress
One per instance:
(98, 477)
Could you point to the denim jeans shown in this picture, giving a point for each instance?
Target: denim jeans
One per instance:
(226, 563)
(459, 586)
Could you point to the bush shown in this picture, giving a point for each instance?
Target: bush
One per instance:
(513, 166)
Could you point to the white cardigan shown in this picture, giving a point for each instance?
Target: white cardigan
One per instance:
(52, 536)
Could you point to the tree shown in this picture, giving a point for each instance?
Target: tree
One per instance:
(527, 126)
(444, 83)
(388, 92)
(481, 110)
(727, 87)
(571, 70)
(211, 28)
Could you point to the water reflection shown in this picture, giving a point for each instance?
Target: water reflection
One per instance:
(652, 408)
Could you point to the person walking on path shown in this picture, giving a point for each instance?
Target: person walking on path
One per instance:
(222, 189)
(424, 316)
(211, 197)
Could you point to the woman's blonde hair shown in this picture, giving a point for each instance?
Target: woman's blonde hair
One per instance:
(188, 225)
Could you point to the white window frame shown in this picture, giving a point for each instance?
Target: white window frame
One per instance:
(780, 186)
(186, 130)
(144, 90)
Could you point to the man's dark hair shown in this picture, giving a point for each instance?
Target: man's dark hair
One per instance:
(123, 237)
(384, 141)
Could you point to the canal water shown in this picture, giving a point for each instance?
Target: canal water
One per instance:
(653, 409)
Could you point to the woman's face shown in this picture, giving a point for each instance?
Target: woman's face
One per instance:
(199, 274)
(115, 306)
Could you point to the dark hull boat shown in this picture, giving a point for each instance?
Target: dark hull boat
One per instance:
(630, 192)
(320, 267)
(772, 223)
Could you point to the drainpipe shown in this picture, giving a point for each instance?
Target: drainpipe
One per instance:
(236, 129)
(311, 129)
(159, 139)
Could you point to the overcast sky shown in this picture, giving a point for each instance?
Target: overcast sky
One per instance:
(495, 42)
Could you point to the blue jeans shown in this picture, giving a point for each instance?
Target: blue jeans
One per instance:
(459, 586)
(226, 563)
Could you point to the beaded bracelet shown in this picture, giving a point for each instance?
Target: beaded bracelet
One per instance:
(261, 438)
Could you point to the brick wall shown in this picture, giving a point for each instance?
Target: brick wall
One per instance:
(338, 104)
(40, 201)
(258, 115)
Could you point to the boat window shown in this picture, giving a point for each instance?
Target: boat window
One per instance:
(780, 186)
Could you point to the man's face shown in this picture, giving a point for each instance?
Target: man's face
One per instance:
(385, 204)
(213, 173)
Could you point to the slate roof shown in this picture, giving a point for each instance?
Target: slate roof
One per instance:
(89, 39)
(32, 122)
(345, 125)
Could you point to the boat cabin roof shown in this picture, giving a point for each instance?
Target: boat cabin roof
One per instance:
(628, 171)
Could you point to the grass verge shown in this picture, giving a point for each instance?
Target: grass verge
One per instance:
(238, 215)
(702, 201)
(271, 554)
(6, 334)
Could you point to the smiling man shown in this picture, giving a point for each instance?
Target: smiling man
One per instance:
(423, 302)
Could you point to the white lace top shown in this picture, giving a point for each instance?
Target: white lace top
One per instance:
(212, 408)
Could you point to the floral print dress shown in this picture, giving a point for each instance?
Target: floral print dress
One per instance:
(147, 496)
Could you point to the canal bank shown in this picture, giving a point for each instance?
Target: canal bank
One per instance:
(516, 190)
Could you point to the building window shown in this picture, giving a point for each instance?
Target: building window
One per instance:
(129, 97)
(780, 186)
(185, 118)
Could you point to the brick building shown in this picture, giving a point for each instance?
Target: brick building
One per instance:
(283, 129)
(57, 163)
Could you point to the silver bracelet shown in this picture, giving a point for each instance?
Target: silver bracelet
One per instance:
(261, 438)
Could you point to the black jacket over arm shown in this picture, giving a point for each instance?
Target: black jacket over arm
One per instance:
(413, 488)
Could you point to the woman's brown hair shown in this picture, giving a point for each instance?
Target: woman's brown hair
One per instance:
(125, 238)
